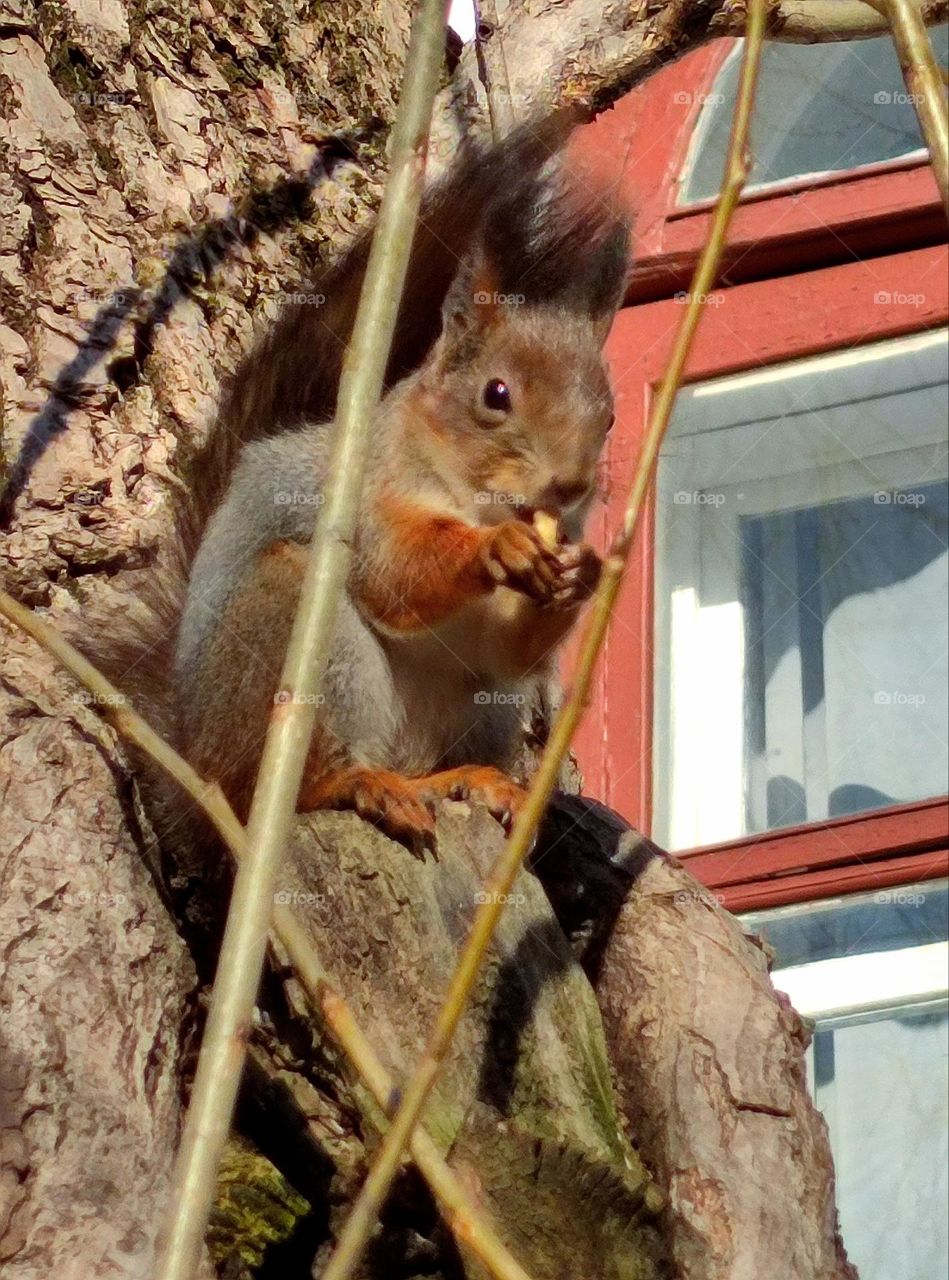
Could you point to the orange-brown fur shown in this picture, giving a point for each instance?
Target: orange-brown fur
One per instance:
(454, 604)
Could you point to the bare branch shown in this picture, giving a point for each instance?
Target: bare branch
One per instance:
(925, 84)
(498, 887)
(274, 804)
(470, 1224)
(815, 21)
(589, 53)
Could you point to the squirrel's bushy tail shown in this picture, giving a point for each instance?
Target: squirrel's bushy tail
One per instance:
(292, 374)
(501, 195)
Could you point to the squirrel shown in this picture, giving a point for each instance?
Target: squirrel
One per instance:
(497, 407)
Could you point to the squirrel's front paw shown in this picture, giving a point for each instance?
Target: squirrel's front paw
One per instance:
(578, 572)
(516, 556)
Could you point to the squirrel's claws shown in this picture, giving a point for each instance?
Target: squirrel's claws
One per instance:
(517, 557)
(423, 842)
(500, 794)
(557, 576)
(390, 802)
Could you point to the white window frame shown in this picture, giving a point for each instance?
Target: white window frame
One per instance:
(699, 734)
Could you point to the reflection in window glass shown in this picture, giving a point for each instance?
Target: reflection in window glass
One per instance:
(858, 925)
(814, 581)
(877, 1064)
(882, 1087)
(801, 593)
(820, 108)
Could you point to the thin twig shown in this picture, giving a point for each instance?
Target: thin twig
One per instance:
(359, 1225)
(924, 80)
(221, 1060)
(470, 1224)
(471, 1227)
(113, 705)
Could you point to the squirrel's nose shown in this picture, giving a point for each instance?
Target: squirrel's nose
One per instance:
(560, 494)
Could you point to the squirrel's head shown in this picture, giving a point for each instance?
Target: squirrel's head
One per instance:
(514, 403)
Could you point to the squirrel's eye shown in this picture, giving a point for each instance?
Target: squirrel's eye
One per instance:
(497, 396)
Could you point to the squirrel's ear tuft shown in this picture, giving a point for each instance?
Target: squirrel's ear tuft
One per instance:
(545, 234)
(472, 303)
(607, 278)
(559, 241)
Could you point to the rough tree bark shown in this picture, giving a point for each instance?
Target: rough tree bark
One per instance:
(125, 125)
(684, 995)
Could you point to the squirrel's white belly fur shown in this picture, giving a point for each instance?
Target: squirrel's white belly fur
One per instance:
(451, 679)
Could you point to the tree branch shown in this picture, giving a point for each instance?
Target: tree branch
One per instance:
(274, 804)
(590, 53)
(498, 887)
(471, 1225)
(924, 81)
(815, 21)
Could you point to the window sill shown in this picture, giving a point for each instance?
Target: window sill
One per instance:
(861, 852)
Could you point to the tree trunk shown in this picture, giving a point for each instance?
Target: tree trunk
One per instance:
(95, 990)
(125, 127)
(526, 1107)
(690, 1014)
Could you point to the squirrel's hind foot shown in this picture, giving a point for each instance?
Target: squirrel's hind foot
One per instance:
(387, 800)
(500, 794)
(403, 808)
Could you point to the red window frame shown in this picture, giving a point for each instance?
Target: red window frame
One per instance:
(805, 271)
(643, 144)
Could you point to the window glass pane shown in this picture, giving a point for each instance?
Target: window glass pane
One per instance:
(889, 920)
(820, 108)
(801, 593)
(877, 1064)
(882, 1087)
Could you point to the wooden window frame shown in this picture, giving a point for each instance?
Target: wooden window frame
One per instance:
(794, 225)
(852, 259)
